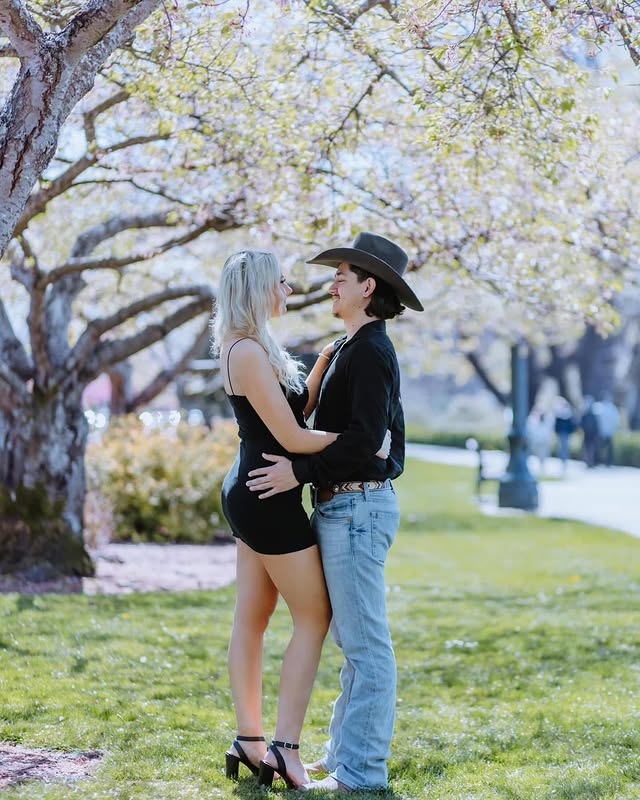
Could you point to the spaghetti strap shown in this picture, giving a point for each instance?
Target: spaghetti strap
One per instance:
(228, 354)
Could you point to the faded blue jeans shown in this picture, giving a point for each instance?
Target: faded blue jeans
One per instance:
(355, 531)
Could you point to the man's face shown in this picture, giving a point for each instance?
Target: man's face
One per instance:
(349, 296)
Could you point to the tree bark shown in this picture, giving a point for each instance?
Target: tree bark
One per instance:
(120, 377)
(596, 358)
(42, 486)
(557, 369)
(56, 71)
(167, 376)
(474, 359)
(633, 384)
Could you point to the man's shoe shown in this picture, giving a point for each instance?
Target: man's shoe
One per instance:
(317, 767)
(328, 784)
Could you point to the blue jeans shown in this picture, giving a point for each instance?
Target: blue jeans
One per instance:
(355, 531)
(563, 447)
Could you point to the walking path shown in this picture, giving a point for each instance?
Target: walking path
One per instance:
(126, 568)
(607, 496)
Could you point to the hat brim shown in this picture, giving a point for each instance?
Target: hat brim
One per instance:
(374, 265)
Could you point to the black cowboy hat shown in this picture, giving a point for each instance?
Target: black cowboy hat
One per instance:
(379, 256)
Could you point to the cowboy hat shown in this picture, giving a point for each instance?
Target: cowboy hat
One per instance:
(379, 256)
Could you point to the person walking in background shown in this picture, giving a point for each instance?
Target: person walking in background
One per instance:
(565, 426)
(540, 427)
(589, 426)
(356, 508)
(608, 419)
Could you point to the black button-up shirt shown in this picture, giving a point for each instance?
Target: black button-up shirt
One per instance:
(360, 399)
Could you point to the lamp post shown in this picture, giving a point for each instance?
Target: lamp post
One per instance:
(518, 487)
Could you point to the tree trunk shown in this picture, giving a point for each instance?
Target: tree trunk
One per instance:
(557, 369)
(633, 384)
(474, 359)
(597, 358)
(42, 487)
(120, 376)
(535, 375)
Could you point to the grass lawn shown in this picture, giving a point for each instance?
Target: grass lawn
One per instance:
(518, 647)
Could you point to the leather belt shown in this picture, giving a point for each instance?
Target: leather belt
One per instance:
(323, 494)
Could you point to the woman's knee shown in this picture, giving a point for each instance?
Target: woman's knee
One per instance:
(314, 621)
(255, 618)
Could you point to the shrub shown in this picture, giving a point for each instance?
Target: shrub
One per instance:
(488, 440)
(626, 444)
(162, 485)
(626, 448)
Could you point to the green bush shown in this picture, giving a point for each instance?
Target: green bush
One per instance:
(626, 447)
(162, 485)
(488, 440)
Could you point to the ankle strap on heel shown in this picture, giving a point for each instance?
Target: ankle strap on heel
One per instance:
(285, 745)
(250, 738)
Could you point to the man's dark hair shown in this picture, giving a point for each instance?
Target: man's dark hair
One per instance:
(384, 303)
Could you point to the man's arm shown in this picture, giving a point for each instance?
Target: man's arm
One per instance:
(280, 477)
(274, 479)
(371, 380)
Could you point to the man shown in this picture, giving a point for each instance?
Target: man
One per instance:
(356, 509)
(608, 419)
(589, 425)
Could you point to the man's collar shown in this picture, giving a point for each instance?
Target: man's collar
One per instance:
(369, 329)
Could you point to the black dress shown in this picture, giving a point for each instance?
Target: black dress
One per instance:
(278, 524)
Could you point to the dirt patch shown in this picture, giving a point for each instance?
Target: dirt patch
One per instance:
(11, 583)
(127, 568)
(18, 764)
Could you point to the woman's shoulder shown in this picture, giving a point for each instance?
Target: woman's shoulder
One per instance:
(245, 348)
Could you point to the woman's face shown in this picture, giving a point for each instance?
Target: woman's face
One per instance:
(283, 290)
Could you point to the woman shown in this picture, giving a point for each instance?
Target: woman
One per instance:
(565, 426)
(277, 551)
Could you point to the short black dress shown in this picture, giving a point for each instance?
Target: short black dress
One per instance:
(278, 524)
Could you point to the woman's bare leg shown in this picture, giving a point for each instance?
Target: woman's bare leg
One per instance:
(300, 580)
(256, 600)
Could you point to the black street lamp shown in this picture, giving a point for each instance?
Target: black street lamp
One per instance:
(518, 487)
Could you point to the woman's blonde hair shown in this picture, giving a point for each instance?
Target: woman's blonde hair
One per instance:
(244, 306)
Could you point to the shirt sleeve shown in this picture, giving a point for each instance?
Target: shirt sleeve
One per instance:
(370, 381)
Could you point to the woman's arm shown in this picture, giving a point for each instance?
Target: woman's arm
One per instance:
(253, 375)
(314, 378)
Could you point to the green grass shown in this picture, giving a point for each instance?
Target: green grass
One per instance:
(518, 652)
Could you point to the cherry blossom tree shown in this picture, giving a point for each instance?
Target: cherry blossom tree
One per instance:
(139, 142)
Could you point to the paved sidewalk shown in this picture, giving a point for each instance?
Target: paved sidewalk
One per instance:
(601, 496)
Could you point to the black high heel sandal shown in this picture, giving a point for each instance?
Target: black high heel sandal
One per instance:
(234, 761)
(266, 772)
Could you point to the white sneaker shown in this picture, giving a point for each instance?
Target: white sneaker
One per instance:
(328, 784)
